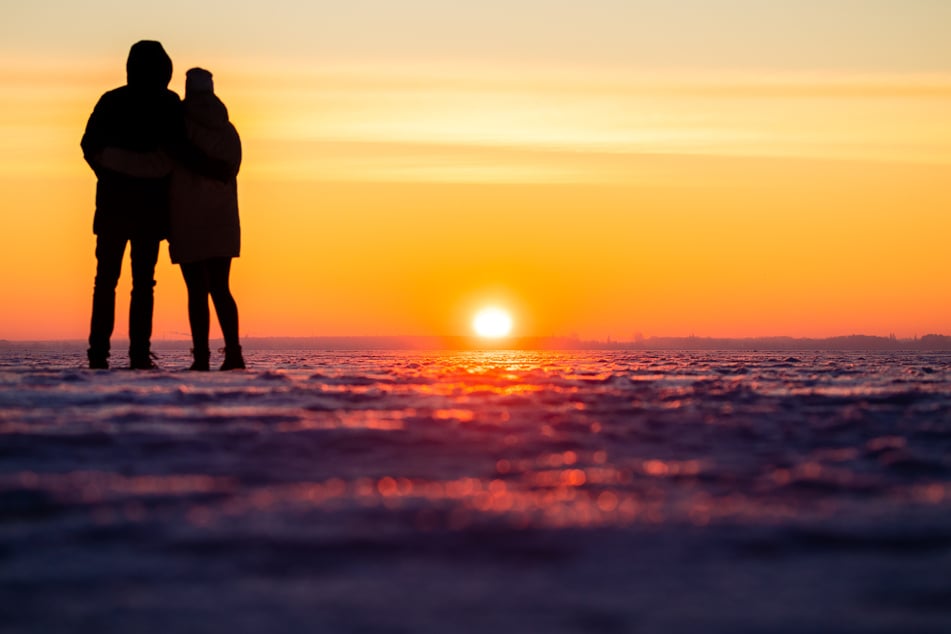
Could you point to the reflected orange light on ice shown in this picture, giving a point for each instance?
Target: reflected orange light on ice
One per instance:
(518, 495)
(525, 468)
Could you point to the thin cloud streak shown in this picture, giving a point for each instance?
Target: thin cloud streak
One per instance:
(556, 121)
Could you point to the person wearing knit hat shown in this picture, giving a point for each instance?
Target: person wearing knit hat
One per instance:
(198, 80)
(205, 231)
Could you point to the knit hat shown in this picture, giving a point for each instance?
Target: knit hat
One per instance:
(198, 80)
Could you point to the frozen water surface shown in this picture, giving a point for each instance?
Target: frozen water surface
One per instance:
(478, 491)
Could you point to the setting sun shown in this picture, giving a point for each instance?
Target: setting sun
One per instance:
(492, 323)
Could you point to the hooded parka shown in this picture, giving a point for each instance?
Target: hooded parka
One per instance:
(142, 116)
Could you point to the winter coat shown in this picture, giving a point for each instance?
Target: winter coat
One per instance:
(142, 116)
(204, 210)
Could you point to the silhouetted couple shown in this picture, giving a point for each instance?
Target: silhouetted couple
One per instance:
(166, 168)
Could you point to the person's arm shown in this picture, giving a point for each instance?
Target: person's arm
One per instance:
(93, 141)
(219, 143)
(197, 161)
(186, 153)
(135, 164)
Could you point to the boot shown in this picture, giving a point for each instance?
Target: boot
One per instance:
(141, 360)
(233, 358)
(202, 357)
(98, 360)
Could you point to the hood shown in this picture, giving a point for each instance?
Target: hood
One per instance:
(149, 66)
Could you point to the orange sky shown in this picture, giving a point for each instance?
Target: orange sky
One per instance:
(590, 189)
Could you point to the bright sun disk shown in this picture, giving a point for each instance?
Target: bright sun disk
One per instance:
(492, 323)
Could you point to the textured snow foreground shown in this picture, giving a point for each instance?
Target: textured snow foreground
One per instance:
(478, 492)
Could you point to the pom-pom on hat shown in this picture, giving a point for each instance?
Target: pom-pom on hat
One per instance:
(198, 80)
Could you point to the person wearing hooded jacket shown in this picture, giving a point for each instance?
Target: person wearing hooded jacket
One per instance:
(142, 116)
(205, 231)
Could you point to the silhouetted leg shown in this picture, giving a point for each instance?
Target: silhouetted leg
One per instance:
(109, 252)
(196, 281)
(219, 271)
(144, 257)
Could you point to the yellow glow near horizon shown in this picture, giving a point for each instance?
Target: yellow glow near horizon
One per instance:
(492, 323)
(427, 123)
(672, 181)
(759, 205)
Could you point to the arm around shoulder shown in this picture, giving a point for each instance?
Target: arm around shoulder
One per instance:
(136, 164)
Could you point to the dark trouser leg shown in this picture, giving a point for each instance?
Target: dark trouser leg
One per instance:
(109, 252)
(144, 257)
(218, 271)
(196, 281)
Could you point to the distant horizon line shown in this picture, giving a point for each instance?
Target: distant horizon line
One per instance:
(548, 342)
